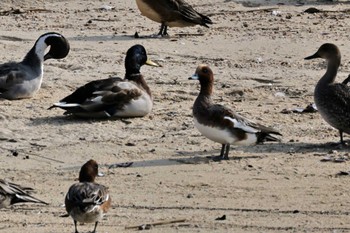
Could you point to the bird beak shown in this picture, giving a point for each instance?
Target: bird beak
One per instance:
(194, 77)
(47, 56)
(152, 63)
(312, 56)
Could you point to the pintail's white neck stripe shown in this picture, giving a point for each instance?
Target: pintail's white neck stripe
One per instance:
(41, 46)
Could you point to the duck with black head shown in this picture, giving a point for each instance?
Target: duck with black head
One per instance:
(172, 13)
(114, 97)
(221, 124)
(87, 201)
(19, 80)
(332, 99)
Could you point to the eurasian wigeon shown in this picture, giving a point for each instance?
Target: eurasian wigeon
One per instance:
(114, 97)
(23, 79)
(221, 124)
(87, 201)
(332, 99)
(11, 193)
(172, 13)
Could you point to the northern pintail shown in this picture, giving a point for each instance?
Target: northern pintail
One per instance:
(23, 79)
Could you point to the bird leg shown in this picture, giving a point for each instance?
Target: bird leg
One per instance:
(223, 154)
(341, 137)
(222, 150)
(225, 157)
(94, 231)
(163, 30)
(75, 225)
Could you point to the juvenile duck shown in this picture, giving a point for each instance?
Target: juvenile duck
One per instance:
(172, 13)
(221, 124)
(87, 201)
(110, 97)
(23, 79)
(332, 99)
(11, 193)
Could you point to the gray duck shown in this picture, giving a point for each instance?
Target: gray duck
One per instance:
(332, 99)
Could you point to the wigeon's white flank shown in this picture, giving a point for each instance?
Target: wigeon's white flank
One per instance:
(221, 124)
(87, 201)
(23, 79)
(11, 193)
(114, 97)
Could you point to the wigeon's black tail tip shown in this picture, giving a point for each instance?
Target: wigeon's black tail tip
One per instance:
(268, 137)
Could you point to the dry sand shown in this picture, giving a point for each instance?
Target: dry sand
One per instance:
(257, 58)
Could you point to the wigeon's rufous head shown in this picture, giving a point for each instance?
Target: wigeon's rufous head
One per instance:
(206, 78)
(203, 74)
(88, 171)
(87, 201)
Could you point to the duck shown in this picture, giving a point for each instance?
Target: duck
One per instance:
(20, 80)
(332, 99)
(114, 97)
(11, 193)
(222, 124)
(87, 201)
(172, 13)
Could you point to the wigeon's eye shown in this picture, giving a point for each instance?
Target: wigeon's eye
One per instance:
(205, 70)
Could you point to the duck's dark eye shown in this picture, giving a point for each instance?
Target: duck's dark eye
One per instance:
(205, 70)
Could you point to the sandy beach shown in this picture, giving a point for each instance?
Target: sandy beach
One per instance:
(256, 50)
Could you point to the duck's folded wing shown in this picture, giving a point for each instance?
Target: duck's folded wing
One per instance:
(86, 195)
(238, 122)
(10, 74)
(104, 102)
(191, 15)
(339, 93)
(86, 92)
(19, 193)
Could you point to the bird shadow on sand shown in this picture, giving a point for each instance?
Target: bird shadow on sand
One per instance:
(126, 37)
(181, 158)
(253, 152)
(72, 120)
(295, 147)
